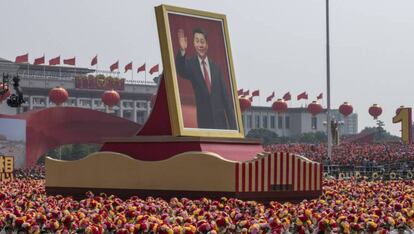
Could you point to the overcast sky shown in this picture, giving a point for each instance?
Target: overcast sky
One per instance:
(277, 45)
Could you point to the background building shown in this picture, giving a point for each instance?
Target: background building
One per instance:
(135, 104)
(37, 80)
(295, 121)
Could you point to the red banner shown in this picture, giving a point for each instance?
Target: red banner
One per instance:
(54, 61)
(71, 61)
(39, 61)
(99, 82)
(22, 58)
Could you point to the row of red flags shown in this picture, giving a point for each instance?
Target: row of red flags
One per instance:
(287, 96)
(72, 61)
(115, 66)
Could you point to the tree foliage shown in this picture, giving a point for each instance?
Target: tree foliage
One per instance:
(71, 152)
(3, 137)
(380, 134)
(310, 137)
(268, 137)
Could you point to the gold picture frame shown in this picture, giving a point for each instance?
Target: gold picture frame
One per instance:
(210, 103)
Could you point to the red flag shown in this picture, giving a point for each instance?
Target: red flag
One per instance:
(22, 58)
(268, 99)
(255, 93)
(39, 61)
(54, 61)
(239, 92)
(114, 66)
(71, 61)
(287, 96)
(128, 67)
(153, 69)
(303, 95)
(141, 68)
(94, 60)
(246, 93)
(320, 96)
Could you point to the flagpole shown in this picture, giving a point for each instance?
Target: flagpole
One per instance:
(44, 67)
(158, 71)
(44, 73)
(75, 66)
(145, 72)
(328, 86)
(283, 127)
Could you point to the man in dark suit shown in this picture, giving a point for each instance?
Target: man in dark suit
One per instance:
(214, 106)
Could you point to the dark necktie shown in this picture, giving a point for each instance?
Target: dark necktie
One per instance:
(206, 76)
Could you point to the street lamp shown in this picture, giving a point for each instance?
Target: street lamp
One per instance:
(328, 85)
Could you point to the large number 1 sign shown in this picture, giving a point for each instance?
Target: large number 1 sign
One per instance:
(404, 116)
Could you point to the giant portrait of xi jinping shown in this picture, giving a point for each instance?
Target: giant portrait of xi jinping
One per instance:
(200, 82)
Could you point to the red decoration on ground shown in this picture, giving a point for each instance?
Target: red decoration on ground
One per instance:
(111, 98)
(315, 108)
(375, 111)
(245, 103)
(42, 136)
(58, 95)
(280, 106)
(346, 109)
(382, 206)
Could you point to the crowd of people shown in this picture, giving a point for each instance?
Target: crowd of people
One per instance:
(344, 207)
(350, 153)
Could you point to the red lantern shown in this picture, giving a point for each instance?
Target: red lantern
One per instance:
(58, 95)
(315, 108)
(5, 95)
(346, 109)
(398, 110)
(375, 111)
(280, 106)
(110, 98)
(245, 103)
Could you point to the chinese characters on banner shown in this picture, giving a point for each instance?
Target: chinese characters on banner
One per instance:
(99, 82)
(6, 167)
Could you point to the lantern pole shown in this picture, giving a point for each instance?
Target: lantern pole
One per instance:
(328, 86)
